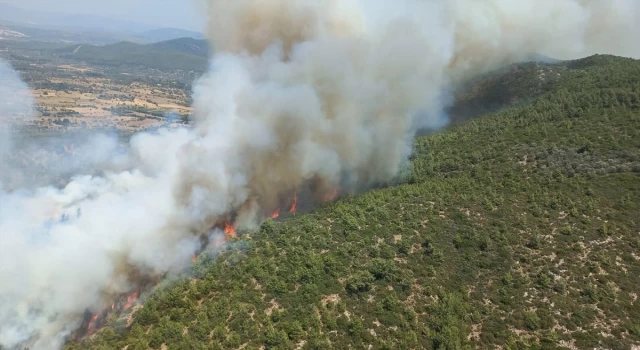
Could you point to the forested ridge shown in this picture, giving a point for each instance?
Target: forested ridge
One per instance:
(519, 229)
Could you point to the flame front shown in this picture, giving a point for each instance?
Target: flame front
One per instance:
(331, 196)
(229, 231)
(92, 324)
(295, 204)
(130, 300)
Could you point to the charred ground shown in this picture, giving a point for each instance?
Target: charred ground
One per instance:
(517, 229)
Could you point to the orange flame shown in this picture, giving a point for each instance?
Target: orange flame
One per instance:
(276, 214)
(193, 258)
(130, 300)
(331, 196)
(295, 204)
(113, 306)
(229, 230)
(92, 324)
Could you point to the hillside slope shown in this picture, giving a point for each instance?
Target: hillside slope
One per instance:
(184, 54)
(517, 84)
(164, 34)
(518, 229)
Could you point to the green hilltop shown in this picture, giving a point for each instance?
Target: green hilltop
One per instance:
(185, 54)
(177, 54)
(519, 229)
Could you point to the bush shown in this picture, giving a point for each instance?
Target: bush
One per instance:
(360, 282)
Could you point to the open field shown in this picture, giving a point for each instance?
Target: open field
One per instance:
(74, 101)
(97, 102)
(73, 94)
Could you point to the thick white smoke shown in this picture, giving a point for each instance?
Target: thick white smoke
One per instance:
(302, 96)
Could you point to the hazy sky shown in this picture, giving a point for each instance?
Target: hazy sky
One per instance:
(163, 13)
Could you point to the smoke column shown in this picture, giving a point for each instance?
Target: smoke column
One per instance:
(302, 96)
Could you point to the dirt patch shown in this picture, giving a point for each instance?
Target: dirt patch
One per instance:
(274, 306)
(130, 315)
(333, 298)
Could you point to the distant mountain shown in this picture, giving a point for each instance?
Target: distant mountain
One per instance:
(61, 35)
(100, 23)
(19, 15)
(183, 54)
(164, 34)
(15, 15)
(198, 47)
(89, 29)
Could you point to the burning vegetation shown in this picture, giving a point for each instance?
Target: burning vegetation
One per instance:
(93, 322)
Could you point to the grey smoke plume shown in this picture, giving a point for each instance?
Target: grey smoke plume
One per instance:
(302, 96)
(16, 106)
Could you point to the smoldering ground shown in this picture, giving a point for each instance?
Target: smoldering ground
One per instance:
(300, 94)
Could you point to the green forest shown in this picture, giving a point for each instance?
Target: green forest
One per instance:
(517, 229)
